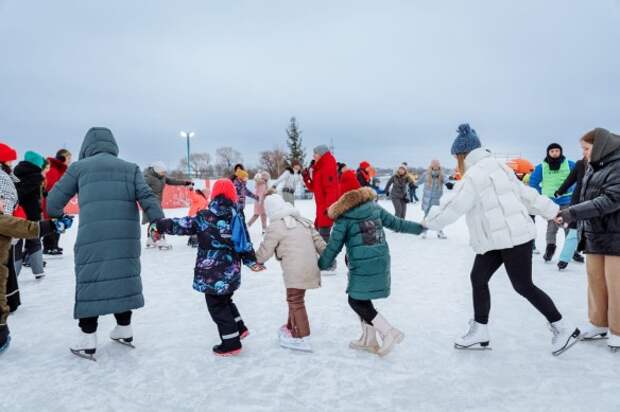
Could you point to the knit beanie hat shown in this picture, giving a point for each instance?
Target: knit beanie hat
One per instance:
(321, 149)
(226, 188)
(242, 174)
(554, 146)
(364, 165)
(348, 182)
(159, 167)
(7, 153)
(466, 141)
(35, 159)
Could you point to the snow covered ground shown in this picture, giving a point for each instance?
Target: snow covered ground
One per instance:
(173, 369)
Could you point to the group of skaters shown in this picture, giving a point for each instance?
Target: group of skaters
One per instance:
(581, 198)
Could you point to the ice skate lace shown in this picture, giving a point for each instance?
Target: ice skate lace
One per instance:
(472, 329)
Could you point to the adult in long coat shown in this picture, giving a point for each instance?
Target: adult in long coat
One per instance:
(107, 249)
(598, 217)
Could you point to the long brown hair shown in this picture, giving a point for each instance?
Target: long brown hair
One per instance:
(588, 137)
(429, 173)
(460, 163)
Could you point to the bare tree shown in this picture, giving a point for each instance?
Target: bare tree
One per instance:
(200, 164)
(273, 161)
(225, 159)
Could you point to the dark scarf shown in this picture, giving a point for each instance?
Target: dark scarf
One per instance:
(555, 163)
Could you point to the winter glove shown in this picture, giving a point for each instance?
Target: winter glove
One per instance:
(565, 216)
(62, 223)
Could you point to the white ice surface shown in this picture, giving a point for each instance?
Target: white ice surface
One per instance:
(173, 368)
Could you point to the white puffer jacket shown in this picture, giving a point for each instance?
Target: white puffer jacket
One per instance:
(496, 203)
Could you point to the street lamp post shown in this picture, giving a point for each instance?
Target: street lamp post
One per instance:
(188, 135)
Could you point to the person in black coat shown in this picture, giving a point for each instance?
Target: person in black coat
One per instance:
(573, 181)
(598, 217)
(30, 194)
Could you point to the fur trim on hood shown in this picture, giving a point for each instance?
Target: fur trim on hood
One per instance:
(349, 201)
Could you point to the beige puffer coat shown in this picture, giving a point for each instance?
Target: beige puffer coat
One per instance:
(294, 242)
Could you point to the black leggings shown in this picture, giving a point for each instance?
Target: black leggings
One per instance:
(518, 263)
(89, 325)
(364, 309)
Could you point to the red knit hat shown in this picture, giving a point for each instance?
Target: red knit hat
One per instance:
(226, 188)
(348, 182)
(364, 165)
(7, 153)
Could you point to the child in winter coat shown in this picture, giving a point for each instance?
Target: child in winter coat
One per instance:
(240, 180)
(359, 223)
(296, 244)
(217, 273)
(262, 180)
(497, 206)
(13, 227)
(197, 201)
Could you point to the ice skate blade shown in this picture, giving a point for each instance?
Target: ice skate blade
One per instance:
(228, 354)
(124, 342)
(572, 340)
(296, 349)
(480, 346)
(602, 336)
(614, 349)
(86, 356)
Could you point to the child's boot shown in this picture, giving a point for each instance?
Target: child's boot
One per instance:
(368, 341)
(390, 336)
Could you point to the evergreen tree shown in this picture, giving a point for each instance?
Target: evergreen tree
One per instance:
(294, 143)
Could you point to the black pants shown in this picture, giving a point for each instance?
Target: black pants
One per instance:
(51, 241)
(227, 318)
(518, 263)
(12, 286)
(89, 325)
(364, 309)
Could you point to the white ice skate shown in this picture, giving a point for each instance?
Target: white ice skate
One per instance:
(123, 335)
(476, 338)
(563, 338)
(390, 336)
(162, 244)
(85, 346)
(614, 343)
(441, 235)
(592, 332)
(424, 234)
(368, 341)
(287, 341)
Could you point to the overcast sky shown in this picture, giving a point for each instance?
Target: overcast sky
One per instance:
(388, 81)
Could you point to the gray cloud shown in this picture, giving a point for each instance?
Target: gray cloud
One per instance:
(388, 81)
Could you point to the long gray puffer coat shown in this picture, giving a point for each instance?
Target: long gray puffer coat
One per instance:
(107, 249)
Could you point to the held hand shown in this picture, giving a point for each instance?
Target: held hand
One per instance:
(63, 223)
(565, 217)
(152, 230)
(258, 267)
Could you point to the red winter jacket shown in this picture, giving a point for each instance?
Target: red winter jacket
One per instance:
(324, 184)
(57, 169)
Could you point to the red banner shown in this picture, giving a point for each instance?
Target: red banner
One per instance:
(174, 197)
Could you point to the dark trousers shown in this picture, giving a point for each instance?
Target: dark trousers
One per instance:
(518, 264)
(51, 241)
(12, 286)
(227, 318)
(89, 325)
(400, 207)
(364, 309)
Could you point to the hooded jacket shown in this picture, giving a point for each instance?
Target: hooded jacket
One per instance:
(29, 189)
(359, 225)
(599, 210)
(497, 205)
(325, 186)
(57, 169)
(107, 249)
(294, 242)
(218, 265)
